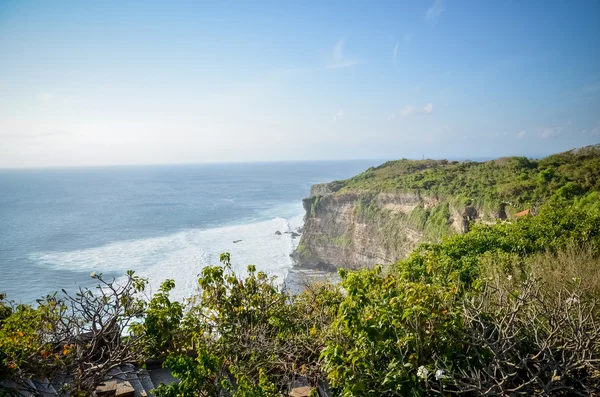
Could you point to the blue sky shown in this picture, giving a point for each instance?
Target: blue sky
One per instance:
(94, 83)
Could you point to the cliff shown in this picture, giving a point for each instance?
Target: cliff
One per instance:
(361, 229)
(380, 215)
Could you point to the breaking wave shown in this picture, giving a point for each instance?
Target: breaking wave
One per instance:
(181, 256)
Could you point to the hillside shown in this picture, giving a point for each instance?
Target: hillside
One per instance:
(380, 215)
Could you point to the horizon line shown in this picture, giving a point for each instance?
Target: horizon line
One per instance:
(382, 159)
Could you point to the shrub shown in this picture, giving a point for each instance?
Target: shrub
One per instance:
(74, 339)
(532, 337)
(161, 326)
(385, 330)
(260, 334)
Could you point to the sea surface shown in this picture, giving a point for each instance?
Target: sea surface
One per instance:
(59, 225)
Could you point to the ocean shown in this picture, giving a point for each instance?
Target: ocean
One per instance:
(169, 221)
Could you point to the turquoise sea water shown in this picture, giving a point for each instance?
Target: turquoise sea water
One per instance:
(58, 225)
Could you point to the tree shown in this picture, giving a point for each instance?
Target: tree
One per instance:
(75, 339)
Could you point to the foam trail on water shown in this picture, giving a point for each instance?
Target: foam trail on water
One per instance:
(181, 256)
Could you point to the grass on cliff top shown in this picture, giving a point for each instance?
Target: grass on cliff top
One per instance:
(518, 181)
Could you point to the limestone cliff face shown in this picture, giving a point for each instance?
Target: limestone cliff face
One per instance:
(362, 229)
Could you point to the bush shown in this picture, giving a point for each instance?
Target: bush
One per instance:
(74, 339)
(253, 330)
(533, 334)
(386, 328)
(161, 326)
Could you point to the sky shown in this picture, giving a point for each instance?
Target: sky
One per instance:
(143, 82)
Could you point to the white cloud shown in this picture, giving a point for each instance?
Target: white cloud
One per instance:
(408, 110)
(406, 38)
(391, 117)
(549, 132)
(521, 133)
(594, 130)
(338, 59)
(436, 9)
(338, 115)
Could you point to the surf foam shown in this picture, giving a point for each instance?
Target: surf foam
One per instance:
(181, 256)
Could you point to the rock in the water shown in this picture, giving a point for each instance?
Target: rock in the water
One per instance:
(278, 233)
(236, 241)
(294, 234)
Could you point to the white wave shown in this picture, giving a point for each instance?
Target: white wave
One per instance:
(181, 256)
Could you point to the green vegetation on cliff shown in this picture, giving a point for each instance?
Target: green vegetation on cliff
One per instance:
(516, 180)
(402, 203)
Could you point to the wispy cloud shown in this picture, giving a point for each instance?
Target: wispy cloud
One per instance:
(338, 115)
(594, 130)
(391, 117)
(408, 110)
(549, 132)
(435, 10)
(406, 38)
(521, 134)
(338, 59)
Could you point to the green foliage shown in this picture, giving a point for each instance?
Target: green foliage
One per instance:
(434, 222)
(342, 241)
(21, 336)
(392, 323)
(519, 181)
(5, 312)
(314, 205)
(438, 222)
(5, 309)
(45, 341)
(457, 257)
(418, 217)
(534, 324)
(302, 250)
(198, 377)
(386, 328)
(247, 388)
(161, 326)
(259, 333)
